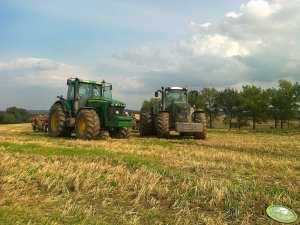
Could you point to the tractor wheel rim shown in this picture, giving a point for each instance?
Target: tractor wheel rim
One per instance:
(81, 126)
(54, 121)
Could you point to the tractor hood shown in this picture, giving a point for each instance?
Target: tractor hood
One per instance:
(112, 112)
(112, 102)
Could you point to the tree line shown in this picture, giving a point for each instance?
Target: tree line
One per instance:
(252, 103)
(14, 115)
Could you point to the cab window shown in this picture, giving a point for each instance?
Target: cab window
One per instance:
(84, 89)
(70, 95)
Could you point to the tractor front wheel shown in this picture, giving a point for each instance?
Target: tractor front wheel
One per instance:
(57, 122)
(146, 126)
(120, 133)
(200, 118)
(87, 125)
(163, 125)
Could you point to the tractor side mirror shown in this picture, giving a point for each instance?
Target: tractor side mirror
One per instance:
(156, 94)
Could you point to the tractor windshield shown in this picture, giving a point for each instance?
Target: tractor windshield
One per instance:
(176, 95)
(94, 90)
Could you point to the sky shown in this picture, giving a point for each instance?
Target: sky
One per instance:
(140, 46)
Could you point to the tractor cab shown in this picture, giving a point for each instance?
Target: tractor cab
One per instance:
(176, 94)
(84, 88)
(80, 92)
(170, 95)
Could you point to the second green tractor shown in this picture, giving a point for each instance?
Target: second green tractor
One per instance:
(173, 113)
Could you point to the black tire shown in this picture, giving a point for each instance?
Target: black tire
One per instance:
(87, 125)
(120, 133)
(57, 122)
(163, 125)
(33, 127)
(146, 123)
(199, 117)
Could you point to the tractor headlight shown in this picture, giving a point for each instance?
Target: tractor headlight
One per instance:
(117, 112)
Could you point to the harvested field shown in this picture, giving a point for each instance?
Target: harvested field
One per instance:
(230, 178)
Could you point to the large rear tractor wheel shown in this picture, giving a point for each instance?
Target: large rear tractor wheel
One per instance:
(57, 122)
(146, 123)
(163, 125)
(120, 133)
(87, 125)
(200, 118)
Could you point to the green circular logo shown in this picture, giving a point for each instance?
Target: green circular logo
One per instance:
(281, 214)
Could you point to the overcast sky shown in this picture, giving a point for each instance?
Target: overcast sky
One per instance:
(141, 45)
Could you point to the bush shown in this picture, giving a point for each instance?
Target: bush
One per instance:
(14, 115)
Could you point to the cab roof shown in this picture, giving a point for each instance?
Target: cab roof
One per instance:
(176, 88)
(72, 80)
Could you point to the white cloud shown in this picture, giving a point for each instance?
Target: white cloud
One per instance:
(203, 25)
(258, 44)
(29, 63)
(37, 71)
(218, 45)
(233, 15)
(33, 83)
(259, 8)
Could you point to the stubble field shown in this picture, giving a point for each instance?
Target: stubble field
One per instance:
(230, 178)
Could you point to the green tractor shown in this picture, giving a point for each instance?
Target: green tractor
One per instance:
(173, 113)
(88, 109)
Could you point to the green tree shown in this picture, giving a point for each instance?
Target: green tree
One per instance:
(229, 101)
(209, 96)
(254, 103)
(194, 100)
(240, 113)
(273, 104)
(288, 96)
(14, 115)
(8, 118)
(297, 92)
(1, 116)
(147, 104)
(21, 115)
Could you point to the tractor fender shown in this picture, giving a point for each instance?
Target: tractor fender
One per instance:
(65, 107)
